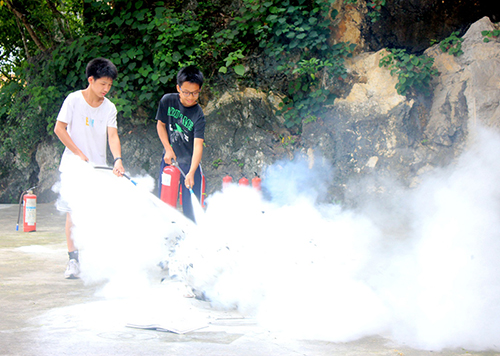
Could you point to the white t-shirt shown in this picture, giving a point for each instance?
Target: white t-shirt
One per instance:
(87, 127)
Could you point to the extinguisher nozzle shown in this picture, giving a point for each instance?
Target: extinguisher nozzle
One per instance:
(17, 227)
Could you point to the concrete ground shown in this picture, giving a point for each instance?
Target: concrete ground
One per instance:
(42, 313)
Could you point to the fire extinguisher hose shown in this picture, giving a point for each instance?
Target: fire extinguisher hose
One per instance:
(110, 169)
(20, 205)
(175, 164)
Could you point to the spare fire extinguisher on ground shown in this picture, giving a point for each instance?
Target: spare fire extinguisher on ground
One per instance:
(257, 182)
(226, 181)
(27, 202)
(243, 181)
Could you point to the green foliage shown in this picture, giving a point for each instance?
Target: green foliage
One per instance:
(50, 21)
(216, 163)
(452, 44)
(488, 35)
(239, 164)
(414, 72)
(287, 140)
(149, 41)
(295, 34)
(138, 39)
(295, 29)
(234, 57)
(305, 92)
(307, 97)
(374, 8)
(283, 27)
(28, 109)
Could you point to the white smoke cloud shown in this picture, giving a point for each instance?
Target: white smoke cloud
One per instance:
(121, 230)
(456, 237)
(420, 267)
(325, 273)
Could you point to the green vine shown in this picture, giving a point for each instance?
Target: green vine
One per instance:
(414, 72)
(295, 33)
(489, 35)
(216, 163)
(452, 45)
(234, 57)
(374, 9)
(239, 164)
(307, 96)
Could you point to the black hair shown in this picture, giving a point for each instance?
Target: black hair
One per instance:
(190, 74)
(101, 67)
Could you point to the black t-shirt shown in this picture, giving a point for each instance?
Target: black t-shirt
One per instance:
(184, 124)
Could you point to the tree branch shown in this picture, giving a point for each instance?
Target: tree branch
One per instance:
(59, 17)
(21, 17)
(23, 38)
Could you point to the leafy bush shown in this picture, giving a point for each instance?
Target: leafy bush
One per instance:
(414, 72)
(488, 35)
(28, 109)
(295, 34)
(452, 44)
(307, 98)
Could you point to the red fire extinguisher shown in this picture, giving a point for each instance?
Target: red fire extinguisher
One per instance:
(28, 200)
(256, 182)
(226, 181)
(243, 181)
(170, 178)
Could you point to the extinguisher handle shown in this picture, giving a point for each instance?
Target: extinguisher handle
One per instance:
(176, 165)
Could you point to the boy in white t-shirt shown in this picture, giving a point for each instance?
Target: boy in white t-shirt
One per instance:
(85, 122)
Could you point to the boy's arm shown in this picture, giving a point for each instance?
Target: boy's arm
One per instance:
(195, 162)
(116, 150)
(63, 135)
(161, 128)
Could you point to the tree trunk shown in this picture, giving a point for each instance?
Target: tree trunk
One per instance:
(24, 39)
(26, 24)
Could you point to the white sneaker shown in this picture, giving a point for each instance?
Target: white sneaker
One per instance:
(72, 270)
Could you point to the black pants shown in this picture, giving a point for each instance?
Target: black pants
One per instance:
(187, 205)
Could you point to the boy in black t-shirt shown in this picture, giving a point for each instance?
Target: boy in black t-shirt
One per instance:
(181, 128)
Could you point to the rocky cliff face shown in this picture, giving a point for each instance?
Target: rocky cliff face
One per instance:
(374, 132)
(371, 131)
(410, 24)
